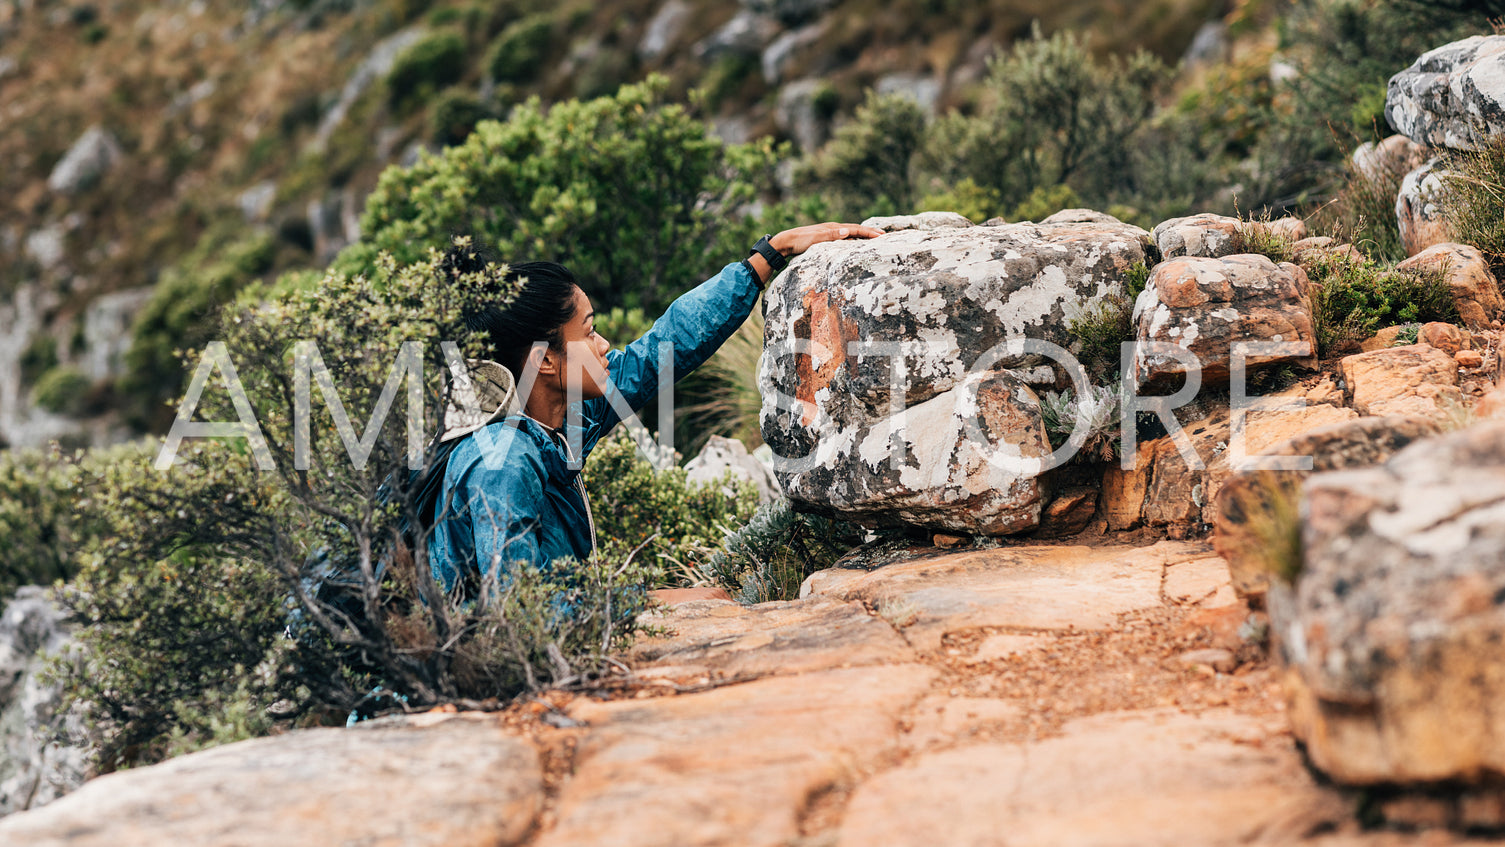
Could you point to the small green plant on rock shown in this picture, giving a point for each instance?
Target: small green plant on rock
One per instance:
(1353, 298)
(770, 557)
(1060, 411)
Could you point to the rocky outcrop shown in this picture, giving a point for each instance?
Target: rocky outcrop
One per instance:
(1249, 502)
(885, 379)
(1392, 631)
(722, 456)
(1417, 210)
(1396, 155)
(1416, 379)
(44, 752)
(1207, 306)
(92, 156)
(1206, 235)
(1453, 96)
(437, 781)
(1476, 293)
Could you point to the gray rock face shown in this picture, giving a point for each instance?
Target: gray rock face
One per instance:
(921, 88)
(1206, 306)
(43, 752)
(796, 114)
(789, 12)
(746, 34)
(664, 29)
(1453, 96)
(1417, 211)
(454, 782)
(1205, 235)
(1392, 631)
(1394, 155)
(86, 162)
(853, 327)
(782, 52)
(722, 455)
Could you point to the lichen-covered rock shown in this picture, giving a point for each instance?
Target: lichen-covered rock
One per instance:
(44, 750)
(1417, 211)
(1206, 235)
(1392, 632)
(430, 780)
(1207, 305)
(1453, 96)
(1396, 155)
(722, 456)
(939, 299)
(1475, 290)
(919, 220)
(1416, 379)
(1246, 498)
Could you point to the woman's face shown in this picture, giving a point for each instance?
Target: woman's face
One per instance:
(585, 350)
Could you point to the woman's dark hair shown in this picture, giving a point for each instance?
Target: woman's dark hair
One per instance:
(538, 312)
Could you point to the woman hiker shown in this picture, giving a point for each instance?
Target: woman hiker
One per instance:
(510, 490)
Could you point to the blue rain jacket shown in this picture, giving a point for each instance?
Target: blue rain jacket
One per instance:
(510, 493)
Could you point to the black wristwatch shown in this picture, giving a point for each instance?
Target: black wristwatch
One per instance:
(775, 259)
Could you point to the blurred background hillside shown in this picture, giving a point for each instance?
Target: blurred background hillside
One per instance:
(158, 158)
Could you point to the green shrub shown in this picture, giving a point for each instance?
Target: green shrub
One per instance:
(622, 326)
(455, 116)
(62, 390)
(1099, 331)
(1254, 236)
(680, 523)
(1099, 424)
(1051, 114)
(1351, 299)
(630, 191)
(1045, 201)
(864, 169)
(183, 313)
(769, 557)
(39, 357)
(518, 53)
(430, 64)
(967, 199)
(40, 517)
(1473, 204)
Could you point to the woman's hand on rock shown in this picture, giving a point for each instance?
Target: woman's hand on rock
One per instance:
(792, 242)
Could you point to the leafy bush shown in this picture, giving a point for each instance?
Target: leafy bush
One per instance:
(519, 51)
(967, 199)
(769, 557)
(430, 64)
(1351, 299)
(183, 313)
(680, 523)
(1051, 114)
(40, 517)
(864, 169)
(455, 116)
(629, 191)
(1045, 201)
(62, 390)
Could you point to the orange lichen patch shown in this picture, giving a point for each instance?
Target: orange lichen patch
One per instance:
(828, 333)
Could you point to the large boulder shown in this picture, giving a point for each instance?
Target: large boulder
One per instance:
(1249, 502)
(1206, 235)
(44, 749)
(1416, 379)
(1392, 631)
(1207, 305)
(935, 441)
(1393, 156)
(431, 780)
(1418, 210)
(1453, 96)
(1476, 293)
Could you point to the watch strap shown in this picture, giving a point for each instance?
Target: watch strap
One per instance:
(775, 259)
